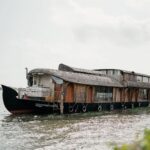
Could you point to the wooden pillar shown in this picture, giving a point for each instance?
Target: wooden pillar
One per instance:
(148, 94)
(62, 101)
(136, 94)
(93, 95)
(114, 94)
(121, 95)
(126, 95)
(74, 92)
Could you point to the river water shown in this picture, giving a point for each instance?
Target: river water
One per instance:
(89, 131)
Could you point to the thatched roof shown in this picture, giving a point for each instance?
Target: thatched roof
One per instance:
(87, 77)
(137, 84)
(125, 71)
(80, 78)
(64, 67)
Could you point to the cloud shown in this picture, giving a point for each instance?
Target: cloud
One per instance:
(91, 23)
(88, 34)
(125, 31)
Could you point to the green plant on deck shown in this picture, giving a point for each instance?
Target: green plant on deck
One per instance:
(143, 144)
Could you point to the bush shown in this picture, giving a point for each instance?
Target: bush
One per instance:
(143, 144)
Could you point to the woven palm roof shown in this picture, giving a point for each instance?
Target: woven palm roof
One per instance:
(80, 78)
(64, 67)
(137, 84)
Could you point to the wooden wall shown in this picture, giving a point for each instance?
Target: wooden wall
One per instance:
(57, 91)
(77, 93)
(116, 95)
(125, 94)
(69, 93)
(149, 95)
(89, 94)
(80, 93)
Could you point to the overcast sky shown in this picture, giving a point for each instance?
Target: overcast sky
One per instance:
(81, 33)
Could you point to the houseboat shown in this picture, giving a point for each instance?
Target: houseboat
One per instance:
(74, 90)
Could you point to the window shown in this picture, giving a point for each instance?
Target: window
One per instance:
(103, 72)
(30, 81)
(103, 93)
(34, 81)
(116, 72)
(139, 78)
(145, 79)
(143, 94)
(126, 76)
(132, 77)
(110, 72)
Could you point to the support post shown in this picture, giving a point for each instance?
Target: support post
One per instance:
(62, 101)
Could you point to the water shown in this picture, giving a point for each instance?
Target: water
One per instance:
(90, 131)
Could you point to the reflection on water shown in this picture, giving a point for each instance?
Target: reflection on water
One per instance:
(79, 131)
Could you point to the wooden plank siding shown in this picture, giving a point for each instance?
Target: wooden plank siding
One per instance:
(134, 97)
(136, 94)
(126, 95)
(116, 95)
(80, 93)
(89, 94)
(149, 95)
(69, 93)
(57, 92)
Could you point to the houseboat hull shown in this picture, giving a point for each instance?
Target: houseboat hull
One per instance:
(23, 106)
(16, 106)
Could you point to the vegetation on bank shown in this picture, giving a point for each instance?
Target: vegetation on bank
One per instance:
(143, 144)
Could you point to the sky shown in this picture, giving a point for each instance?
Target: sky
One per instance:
(89, 34)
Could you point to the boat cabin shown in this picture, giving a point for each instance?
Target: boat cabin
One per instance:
(74, 85)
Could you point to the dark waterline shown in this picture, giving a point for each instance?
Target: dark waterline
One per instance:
(80, 131)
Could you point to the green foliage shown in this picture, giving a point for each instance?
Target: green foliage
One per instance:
(143, 144)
